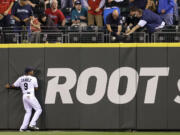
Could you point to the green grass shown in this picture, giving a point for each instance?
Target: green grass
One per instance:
(88, 133)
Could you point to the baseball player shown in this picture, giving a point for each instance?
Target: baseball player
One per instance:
(28, 84)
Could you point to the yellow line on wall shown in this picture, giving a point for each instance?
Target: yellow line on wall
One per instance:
(90, 45)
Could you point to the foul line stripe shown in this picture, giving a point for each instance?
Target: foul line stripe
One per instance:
(90, 45)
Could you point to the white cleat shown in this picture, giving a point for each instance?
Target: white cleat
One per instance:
(34, 128)
(22, 130)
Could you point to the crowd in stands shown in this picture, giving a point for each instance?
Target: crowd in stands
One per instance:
(128, 16)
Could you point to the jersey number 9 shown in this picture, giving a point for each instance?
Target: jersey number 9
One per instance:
(25, 86)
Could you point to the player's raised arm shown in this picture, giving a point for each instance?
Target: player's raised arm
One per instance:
(16, 85)
(8, 86)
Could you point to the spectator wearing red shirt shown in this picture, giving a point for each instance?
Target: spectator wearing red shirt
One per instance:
(5, 11)
(95, 8)
(55, 14)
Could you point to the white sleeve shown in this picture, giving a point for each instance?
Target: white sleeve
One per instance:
(35, 83)
(142, 23)
(102, 3)
(85, 3)
(17, 83)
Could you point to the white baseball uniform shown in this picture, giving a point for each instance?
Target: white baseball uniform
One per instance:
(27, 84)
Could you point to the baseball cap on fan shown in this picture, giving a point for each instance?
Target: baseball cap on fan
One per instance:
(77, 2)
(28, 69)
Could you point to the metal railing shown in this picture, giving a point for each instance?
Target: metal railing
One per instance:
(86, 35)
(167, 37)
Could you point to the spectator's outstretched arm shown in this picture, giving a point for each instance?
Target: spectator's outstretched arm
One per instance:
(10, 7)
(128, 27)
(109, 27)
(133, 30)
(119, 29)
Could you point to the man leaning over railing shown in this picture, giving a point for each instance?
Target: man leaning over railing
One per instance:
(114, 20)
(152, 21)
(110, 6)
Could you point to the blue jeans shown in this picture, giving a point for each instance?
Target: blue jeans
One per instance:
(176, 12)
(168, 18)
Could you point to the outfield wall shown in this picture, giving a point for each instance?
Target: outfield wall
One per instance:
(95, 86)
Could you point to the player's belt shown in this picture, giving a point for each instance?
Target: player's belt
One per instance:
(28, 93)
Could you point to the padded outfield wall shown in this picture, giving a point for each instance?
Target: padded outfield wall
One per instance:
(95, 86)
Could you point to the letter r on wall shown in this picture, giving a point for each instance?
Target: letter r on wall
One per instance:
(63, 89)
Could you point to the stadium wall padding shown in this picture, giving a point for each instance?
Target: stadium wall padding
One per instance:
(163, 114)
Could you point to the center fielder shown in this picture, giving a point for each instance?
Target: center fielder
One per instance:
(28, 84)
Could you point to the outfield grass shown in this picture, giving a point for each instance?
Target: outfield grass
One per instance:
(89, 133)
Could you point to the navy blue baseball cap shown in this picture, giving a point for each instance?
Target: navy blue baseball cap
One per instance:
(77, 2)
(28, 69)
